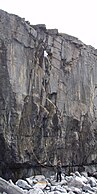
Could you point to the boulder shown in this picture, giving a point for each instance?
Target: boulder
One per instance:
(23, 184)
(76, 182)
(9, 188)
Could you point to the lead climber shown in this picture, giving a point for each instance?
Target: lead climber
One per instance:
(59, 170)
(45, 54)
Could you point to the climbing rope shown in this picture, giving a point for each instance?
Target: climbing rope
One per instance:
(43, 164)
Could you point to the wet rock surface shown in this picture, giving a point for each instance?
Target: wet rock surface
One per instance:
(48, 98)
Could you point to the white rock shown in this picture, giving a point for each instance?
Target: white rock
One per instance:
(30, 180)
(3, 193)
(63, 182)
(48, 188)
(87, 188)
(95, 189)
(48, 184)
(23, 184)
(25, 192)
(71, 192)
(56, 192)
(9, 188)
(69, 178)
(10, 181)
(85, 174)
(67, 188)
(52, 178)
(35, 181)
(40, 177)
(76, 182)
(35, 191)
(90, 192)
(53, 188)
(84, 179)
(76, 190)
(92, 181)
(50, 192)
(61, 189)
(77, 174)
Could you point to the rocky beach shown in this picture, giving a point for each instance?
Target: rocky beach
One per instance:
(75, 183)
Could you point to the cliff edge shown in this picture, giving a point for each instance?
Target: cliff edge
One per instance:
(48, 97)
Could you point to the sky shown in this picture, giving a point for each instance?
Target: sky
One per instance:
(74, 17)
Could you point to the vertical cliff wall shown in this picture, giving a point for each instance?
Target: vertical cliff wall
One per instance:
(48, 96)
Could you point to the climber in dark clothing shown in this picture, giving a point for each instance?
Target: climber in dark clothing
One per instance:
(59, 170)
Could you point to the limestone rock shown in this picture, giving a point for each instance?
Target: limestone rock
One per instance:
(23, 184)
(48, 104)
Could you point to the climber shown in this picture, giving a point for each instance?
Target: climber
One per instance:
(59, 170)
(45, 54)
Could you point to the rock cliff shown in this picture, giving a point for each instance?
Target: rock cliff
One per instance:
(48, 97)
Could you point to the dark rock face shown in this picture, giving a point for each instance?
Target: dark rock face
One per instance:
(48, 97)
